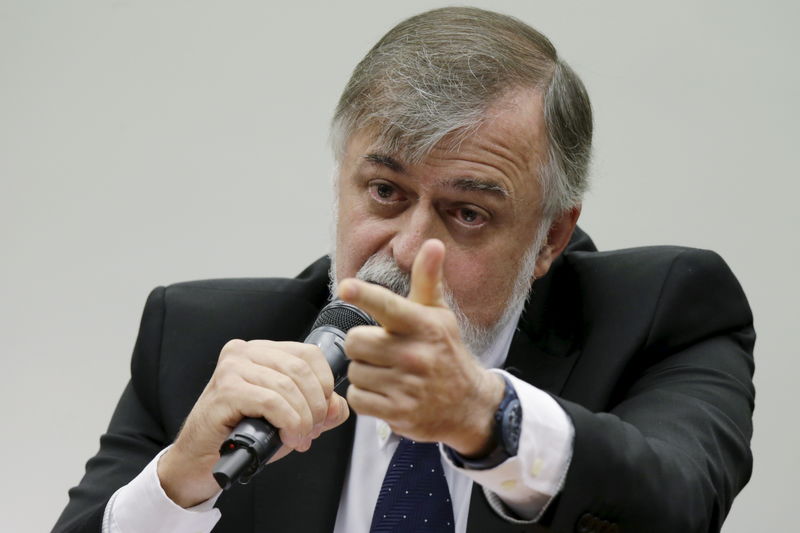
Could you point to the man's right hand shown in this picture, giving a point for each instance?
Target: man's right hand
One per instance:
(288, 383)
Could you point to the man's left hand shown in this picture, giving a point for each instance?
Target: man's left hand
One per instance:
(414, 371)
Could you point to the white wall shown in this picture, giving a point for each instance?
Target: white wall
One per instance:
(147, 142)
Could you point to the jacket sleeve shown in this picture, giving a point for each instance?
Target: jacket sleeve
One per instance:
(134, 436)
(674, 449)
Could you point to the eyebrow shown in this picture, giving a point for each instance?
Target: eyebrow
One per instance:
(385, 160)
(479, 185)
(462, 184)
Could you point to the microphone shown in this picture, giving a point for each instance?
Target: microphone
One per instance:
(254, 440)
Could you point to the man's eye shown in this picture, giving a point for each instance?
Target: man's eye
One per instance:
(470, 217)
(385, 192)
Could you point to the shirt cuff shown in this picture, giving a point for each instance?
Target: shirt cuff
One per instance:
(527, 482)
(143, 506)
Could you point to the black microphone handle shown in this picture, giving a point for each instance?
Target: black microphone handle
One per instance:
(250, 445)
(254, 441)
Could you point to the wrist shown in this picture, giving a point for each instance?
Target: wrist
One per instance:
(506, 432)
(476, 436)
(182, 481)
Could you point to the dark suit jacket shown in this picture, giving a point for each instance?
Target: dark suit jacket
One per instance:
(648, 350)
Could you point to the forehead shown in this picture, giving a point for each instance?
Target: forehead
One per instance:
(508, 147)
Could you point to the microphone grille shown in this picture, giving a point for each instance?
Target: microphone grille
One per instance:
(342, 316)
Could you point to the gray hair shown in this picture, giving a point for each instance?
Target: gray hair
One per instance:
(432, 78)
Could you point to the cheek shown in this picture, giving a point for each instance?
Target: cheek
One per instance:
(357, 238)
(481, 288)
(481, 284)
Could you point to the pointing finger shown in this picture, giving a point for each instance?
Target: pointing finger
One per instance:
(395, 313)
(426, 274)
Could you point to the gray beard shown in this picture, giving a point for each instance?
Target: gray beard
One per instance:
(383, 270)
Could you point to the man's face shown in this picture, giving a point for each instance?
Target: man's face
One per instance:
(481, 200)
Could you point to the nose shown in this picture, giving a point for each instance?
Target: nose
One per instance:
(418, 224)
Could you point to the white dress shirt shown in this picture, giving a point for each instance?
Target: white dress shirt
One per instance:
(519, 489)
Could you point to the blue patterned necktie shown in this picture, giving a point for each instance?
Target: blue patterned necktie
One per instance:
(414, 495)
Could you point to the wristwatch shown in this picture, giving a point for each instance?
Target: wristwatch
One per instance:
(507, 426)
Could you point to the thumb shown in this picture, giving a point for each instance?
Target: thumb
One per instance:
(338, 412)
(427, 284)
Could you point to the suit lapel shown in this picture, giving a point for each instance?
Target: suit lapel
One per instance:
(545, 345)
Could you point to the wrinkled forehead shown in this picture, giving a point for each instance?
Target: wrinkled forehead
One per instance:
(511, 130)
(411, 134)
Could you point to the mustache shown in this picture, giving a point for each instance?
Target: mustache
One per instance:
(383, 270)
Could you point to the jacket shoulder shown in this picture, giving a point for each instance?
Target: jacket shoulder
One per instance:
(631, 298)
(310, 284)
(666, 277)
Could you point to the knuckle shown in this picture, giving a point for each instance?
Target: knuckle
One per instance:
(433, 326)
(357, 400)
(226, 385)
(305, 422)
(293, 421)
(233, 346)
(319, 411)
(275, 409)
(354, 371)
(391, 306)
(357, 333)
(284, 384)
(450, 320)
(363, 340)
(327, 383)
(269, 401)
(296, 367)
(227, 369)
(413, 360)
(405, 407)
(225, 365)
(432, 331)
(352, 396)
(410, 386)
(352, 346)
(310, 352)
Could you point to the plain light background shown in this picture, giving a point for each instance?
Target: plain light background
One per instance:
(144, 143)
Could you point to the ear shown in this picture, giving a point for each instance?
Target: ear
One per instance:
(557, 239)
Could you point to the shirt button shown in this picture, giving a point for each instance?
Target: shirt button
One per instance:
(536, 467)
(509, 484)
(383, 430)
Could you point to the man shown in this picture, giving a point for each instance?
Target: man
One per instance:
(463, 145)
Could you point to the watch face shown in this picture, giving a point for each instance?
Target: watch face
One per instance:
(512, 420)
